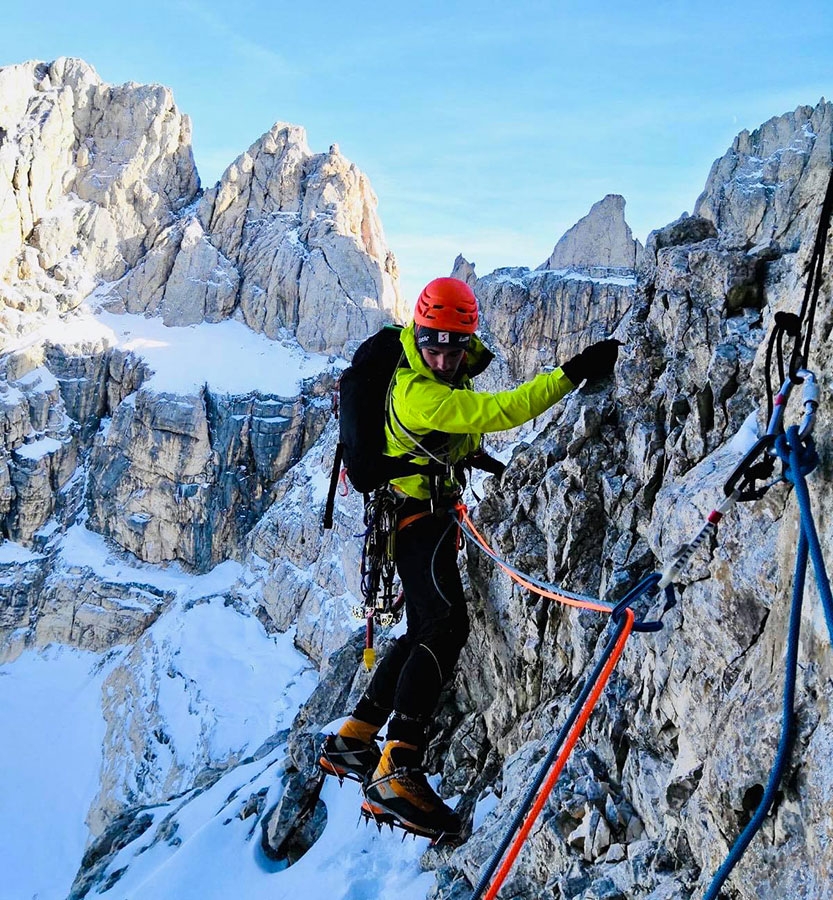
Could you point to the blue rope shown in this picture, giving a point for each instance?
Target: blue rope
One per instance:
(619, 620)
(800, 460)
(785, 742)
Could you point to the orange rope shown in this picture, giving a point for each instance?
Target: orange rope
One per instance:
(519, 579)
(561, 760)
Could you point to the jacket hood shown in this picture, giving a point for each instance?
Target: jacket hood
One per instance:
(478, 355)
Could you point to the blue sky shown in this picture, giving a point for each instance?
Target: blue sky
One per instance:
(486, 128)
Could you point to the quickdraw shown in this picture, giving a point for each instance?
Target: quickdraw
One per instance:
(796, 452)
(758, 464)
(383, 603)
(794, 447)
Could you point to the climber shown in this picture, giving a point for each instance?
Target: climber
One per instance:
(433, 414)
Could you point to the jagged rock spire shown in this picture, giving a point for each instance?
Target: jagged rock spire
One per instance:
(601, 238)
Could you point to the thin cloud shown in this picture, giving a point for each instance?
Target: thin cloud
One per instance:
(259, 54)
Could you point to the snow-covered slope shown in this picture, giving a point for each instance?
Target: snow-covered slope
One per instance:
(206, 843)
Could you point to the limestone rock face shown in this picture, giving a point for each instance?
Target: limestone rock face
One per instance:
(89, 176)
(38, 455)
(601, 238)
(289, 241)
(80, 609)
(464, 270)
(542, 318)
(304, 231)
(625, 473)
(618, 476)
(21, 586)
(300, 573)
(202, 285)
(765, 188)
(97, 184)
(186, 477)
(101, 192)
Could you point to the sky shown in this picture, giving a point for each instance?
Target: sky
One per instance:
(486, 128)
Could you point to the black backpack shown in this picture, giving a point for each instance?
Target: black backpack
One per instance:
(362, 410)
(363, 389)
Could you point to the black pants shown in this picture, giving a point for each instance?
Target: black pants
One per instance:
(412, 673)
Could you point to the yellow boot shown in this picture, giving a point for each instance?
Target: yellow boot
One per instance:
(398, 788)
(352, 753)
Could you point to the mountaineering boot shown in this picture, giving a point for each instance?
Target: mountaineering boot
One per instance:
(353, 752)
(398, 788)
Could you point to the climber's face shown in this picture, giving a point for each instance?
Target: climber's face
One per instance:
(443, 362)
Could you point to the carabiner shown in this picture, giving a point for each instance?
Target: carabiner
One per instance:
(749, 470)
(810, 400)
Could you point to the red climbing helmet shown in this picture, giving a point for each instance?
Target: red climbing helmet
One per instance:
(447, 304)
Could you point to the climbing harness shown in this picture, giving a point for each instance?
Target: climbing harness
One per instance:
(382, 603)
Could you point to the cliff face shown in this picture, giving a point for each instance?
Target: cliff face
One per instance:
(101, 201)
(601, 238)
(158, 378)
(288, 241)
(676, 759)
(285, 259)
(90, 176)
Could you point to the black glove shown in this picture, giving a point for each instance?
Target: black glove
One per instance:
(480, 459)
(594, 362)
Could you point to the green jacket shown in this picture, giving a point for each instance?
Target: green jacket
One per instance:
(420, 405)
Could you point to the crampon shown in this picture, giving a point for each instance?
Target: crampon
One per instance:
(380, 817)
(348, 759)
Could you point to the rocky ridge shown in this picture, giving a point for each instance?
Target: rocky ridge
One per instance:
(666, 776)
(90, 176)
(690, 723)
(618, 476)
(601, 239)
(101, 195)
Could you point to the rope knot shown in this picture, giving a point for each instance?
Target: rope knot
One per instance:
(799, 457)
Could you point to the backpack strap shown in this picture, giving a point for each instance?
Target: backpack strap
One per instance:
(430, 445)
(331, 493)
